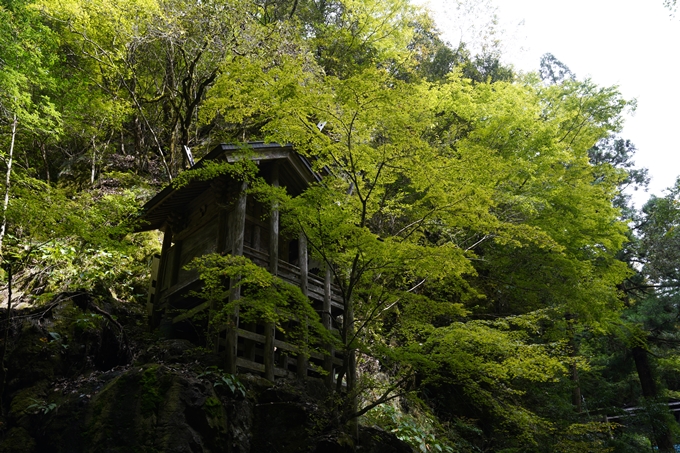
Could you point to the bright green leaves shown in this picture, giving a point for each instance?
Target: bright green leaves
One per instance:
(489, 366)
(65, 241)
(244, 169)
(251, 89)
(26, 59)
(439, 202)
(264, 298)
(584, 112)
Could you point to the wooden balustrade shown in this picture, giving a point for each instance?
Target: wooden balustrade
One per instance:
(272, 357)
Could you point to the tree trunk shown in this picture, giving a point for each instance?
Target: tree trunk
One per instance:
(8, 180)
(43, 152)
(659, 418)
(8, 318)
(573, 346)
(93, 170)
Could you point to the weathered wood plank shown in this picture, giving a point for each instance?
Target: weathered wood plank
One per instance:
(258, 338)
(243, 363)
(301, 365)
(223, 231)
(254, 366)
(268, 352)
(188, 314)
(274, 227)
(237, 231)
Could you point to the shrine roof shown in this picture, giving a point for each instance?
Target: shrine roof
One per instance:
(295, 173)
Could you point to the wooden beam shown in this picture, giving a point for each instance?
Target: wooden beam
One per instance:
(223, 231)
(238, 225)
(303, 262)
(188, 314)
(254, 366)
(270, 328)
(223, 247)
(274, 229)
(269, 333)
(239, 221)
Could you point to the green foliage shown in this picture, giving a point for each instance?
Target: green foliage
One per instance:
(41, 407)
(264, 299)
(218, 378)
(578, 437)
(420, 432)
(88, 321)
(491, 364)
(244, 169)
(66, 241)
(464, 211)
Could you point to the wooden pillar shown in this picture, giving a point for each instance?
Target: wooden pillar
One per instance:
(326, 321)
(165, 249)
(238, 226)
(223, 245)
(223, 200)
(270, 328)
(304, 286)
(304, 264)
(239, 221)
(274, 230)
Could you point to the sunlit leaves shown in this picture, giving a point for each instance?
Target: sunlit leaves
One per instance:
(264, 298)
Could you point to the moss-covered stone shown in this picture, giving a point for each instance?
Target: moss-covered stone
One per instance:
(61, 400)
(17, 440)
(28, 402)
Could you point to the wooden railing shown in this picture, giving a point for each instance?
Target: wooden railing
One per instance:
(258, 347)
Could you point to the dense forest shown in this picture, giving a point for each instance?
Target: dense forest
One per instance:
(501, 292)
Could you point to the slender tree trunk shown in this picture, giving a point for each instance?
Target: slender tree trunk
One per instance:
(43, 152)
(6, 264)
(573, 346)
(350, 366)
(658, 415)
(94, 162)
(8, 318)
(8, 180)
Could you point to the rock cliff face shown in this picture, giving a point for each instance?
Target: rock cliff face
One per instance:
(75, 385)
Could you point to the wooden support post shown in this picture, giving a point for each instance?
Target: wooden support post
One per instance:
(270, 328)
(326, 320)
(165, 248)
(239, 222)
(304, 286)
(269, 332)
(238, 225)
(274, 230)
(223, 245)
(176, 258)
(304, 264)
(249, 346)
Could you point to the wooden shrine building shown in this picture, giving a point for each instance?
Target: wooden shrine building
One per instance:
(218, 216)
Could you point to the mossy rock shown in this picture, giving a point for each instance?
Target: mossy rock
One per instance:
(33, 358)
(17, 440)
(153, 409)
(28, 401)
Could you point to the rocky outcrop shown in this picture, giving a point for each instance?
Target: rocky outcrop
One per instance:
(72, 389)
